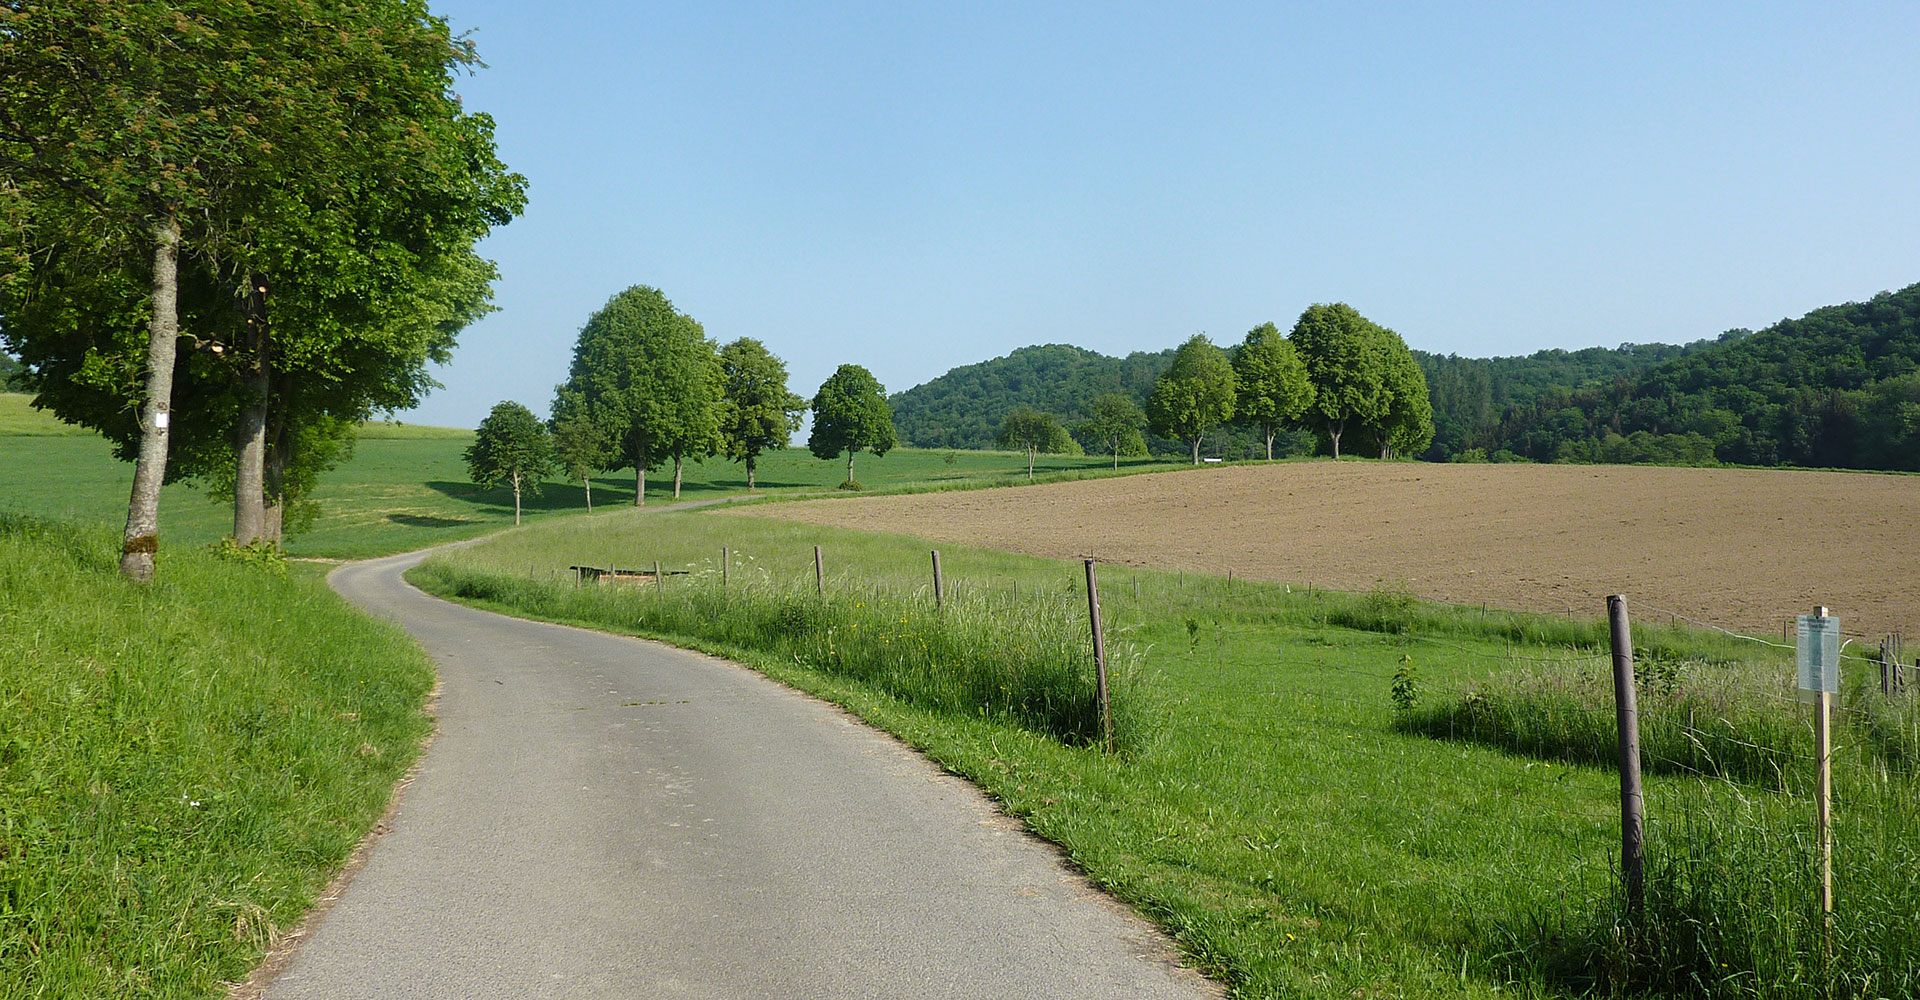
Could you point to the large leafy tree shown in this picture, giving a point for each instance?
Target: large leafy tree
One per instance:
(646, 373)
(328, 260)
(511, 446)
(1195, 395)
(850, 414)
(1346, 361)
(1115, 423)
(126, 129)
(1406, 428)
(1029, 430)
(757, 412)
(1273, 388)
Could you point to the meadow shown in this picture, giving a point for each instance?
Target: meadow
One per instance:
(182, 770)
(1299, 829)
(406, 486)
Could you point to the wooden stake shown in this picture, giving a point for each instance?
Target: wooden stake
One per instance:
(939, 595)
(726, 561)
(659, 581)
(1099, 654)
(1632, 801)
(819, 573)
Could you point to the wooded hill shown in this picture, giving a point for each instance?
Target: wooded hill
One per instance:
(1838, 387)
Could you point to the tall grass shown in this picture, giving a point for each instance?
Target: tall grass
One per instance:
(1028, 663)
(183, 765)
(1730, 907)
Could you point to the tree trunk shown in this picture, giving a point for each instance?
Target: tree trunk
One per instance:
(1196, 451)
(250, 434)
(1031, 452)
(1269, 444)
(676, 477)
(750, 486)
(1116, 455)
(142, 537)
(586, 483)
(639, 484)
(1333, 434)
(849, 466)
(516, 496)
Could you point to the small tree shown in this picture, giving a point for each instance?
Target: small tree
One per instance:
(850, 413)
(580, 446)
(1272, 382)
(757, 413)
(510, 445)
(1033, 432)
(1195, 395)
(1115, 424)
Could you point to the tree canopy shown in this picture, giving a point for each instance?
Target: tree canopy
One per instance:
(648, 375)
(512, 446)
(1195, 395)
(850, 414)
(1029, 430)
(1114, 422)
(1272, 384)
(757, 412)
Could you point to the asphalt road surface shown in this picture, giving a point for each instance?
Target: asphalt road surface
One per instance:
(606, 817)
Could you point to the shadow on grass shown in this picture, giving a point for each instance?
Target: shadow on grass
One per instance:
(427, 521)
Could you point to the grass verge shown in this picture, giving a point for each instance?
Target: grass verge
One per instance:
(182, 765)
(1276, 817)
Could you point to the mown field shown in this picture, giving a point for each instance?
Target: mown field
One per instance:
(406, 486)
(1299, 829)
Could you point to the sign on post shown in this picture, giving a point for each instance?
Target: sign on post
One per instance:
(1819, 654)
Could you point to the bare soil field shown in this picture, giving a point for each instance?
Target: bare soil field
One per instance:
(1737, 548)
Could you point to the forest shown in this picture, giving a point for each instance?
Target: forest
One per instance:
(1836, 388)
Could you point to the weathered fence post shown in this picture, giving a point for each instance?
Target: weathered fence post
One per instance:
(1886, 666)
(939, 594)
(659, 578)
(1099, 654)
(1632, 801)
(726, 564)
(819, 573)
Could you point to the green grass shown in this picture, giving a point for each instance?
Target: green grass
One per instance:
(406, 486)
(182, 765)
(1269, 813)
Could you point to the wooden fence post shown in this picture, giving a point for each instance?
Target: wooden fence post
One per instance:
(1632, 801)
(1099, 654)
(659, 578)
(939, 594)
(819, 573)
(1886, 666)
(726, 563)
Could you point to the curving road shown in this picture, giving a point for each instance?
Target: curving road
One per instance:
(606, 817)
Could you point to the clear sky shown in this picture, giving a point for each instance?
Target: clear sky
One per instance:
(916, 186)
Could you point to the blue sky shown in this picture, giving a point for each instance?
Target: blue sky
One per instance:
(913, 186)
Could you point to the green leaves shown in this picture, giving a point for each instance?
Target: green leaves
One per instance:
(757, 413)
(511, 445)
(1195, 395)
(1273, 388)
(647, 374)
(850, 413)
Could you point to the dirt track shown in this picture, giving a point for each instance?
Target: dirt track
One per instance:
(1738, 548)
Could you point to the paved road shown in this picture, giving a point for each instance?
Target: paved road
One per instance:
(605, 817)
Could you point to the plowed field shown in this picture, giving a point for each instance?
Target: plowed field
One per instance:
(1737, 548)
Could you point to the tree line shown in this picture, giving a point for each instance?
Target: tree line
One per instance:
(1342, 378)
(648, 387)
(1836, 388)
(230, 232)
